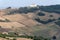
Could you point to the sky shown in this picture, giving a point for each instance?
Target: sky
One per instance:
(22, 3)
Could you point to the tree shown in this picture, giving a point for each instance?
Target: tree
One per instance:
(59, 18)
(54, 37)
(9, 8)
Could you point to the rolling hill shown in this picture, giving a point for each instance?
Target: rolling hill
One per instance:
(36, 21)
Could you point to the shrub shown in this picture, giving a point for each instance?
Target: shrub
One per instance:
(51, 15)
(14, 39)
(41, 14)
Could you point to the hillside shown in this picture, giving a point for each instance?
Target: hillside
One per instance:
(38, 21)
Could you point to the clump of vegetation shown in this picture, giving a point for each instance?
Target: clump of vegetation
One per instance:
(41, 14)
(9, 8)
(58, 23)
(3, 35)
(6, 20)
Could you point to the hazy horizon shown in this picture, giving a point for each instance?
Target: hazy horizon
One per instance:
(22, 3)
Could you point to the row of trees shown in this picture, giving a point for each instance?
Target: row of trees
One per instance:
(52, 8)
(23, 10)
(45, 22)
(31, 37)
(27, 9)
